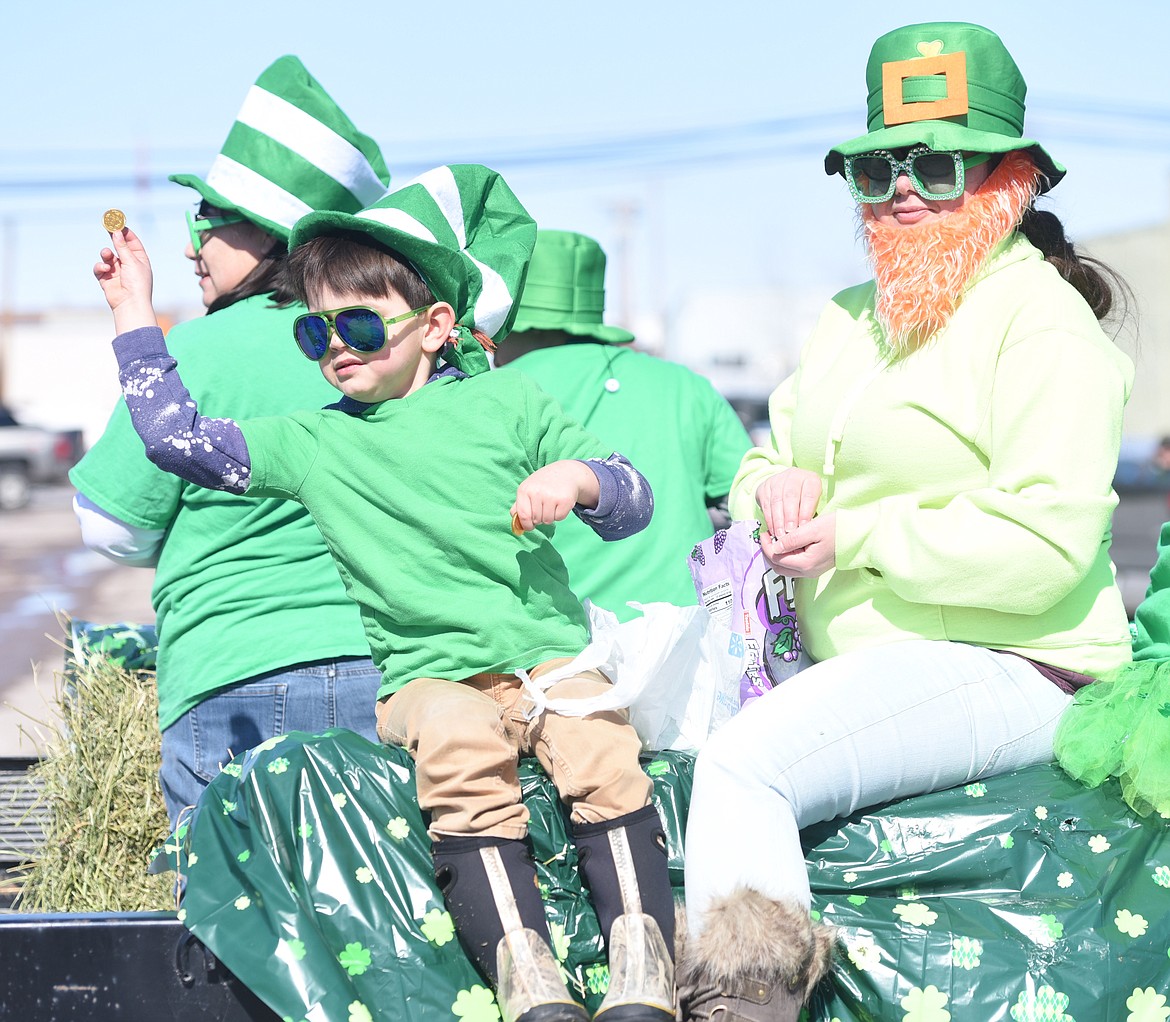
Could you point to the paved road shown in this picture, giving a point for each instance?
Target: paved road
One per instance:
(44, 570)
(1136, 524)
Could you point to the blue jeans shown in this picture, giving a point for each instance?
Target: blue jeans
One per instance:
(854, 731)
(307, 697)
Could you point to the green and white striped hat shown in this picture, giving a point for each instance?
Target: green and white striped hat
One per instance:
(291, 151)
(465, 232)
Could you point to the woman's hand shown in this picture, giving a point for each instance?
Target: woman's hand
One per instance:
(789, 499)
(551, 493)
(127, 281)
(807, 551)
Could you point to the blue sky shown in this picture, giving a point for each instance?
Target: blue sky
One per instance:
(687, 137)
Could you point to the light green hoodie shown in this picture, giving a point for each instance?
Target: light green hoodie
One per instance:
(971, 479)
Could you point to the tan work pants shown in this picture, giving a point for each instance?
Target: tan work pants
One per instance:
(466, 738)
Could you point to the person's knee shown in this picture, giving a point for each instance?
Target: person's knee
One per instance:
(430, 714)
(476, 738)
(721, 757)
(583, 686)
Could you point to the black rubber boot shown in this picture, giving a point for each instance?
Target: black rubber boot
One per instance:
(490, 888)
(643, 869)
(623, 863)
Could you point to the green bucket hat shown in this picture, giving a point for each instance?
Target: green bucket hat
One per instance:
(469, 238)
(290, 151)
(947, 85)
(565, 289)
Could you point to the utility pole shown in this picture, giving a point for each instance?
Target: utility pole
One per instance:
(625, 212)
(7, 312)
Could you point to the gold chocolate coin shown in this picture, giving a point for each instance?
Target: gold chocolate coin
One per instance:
(517, 528)
(113, 220)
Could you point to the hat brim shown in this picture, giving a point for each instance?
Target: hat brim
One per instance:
(943, 136)
(222, 202)
(441, 269)
(596, 331)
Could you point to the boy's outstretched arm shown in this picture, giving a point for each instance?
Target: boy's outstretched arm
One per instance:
(204, 451)
(609, 495)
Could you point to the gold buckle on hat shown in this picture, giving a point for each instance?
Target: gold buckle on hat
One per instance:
(894, 74)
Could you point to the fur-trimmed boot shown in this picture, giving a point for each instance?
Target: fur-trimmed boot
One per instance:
(756, 960)
(490, 888)
(623, 863)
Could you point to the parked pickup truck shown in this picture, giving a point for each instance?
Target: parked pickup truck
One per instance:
(30, 455)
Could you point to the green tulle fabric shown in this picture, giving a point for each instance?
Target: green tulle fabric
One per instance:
(1120, 727)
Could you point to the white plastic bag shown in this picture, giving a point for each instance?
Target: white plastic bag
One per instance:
(673, 668)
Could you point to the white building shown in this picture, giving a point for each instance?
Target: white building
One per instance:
(57, 369)
(1142, 257)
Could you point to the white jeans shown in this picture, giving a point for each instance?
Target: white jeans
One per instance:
(854, 731)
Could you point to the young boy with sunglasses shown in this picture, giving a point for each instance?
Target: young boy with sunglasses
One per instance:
(412, 477)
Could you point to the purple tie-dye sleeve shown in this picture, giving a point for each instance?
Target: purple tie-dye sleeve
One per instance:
(626, 502)
(205, 451)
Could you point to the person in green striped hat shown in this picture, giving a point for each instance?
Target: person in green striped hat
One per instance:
(256, 633)
(291, 150)
(436, 485)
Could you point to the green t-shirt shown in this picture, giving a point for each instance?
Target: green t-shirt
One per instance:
(242, 586)
(413, 498)
(683, 437)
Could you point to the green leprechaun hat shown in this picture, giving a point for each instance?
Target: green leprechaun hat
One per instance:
(291, 151)
(949, 86)
(565, 289)
(465, 232)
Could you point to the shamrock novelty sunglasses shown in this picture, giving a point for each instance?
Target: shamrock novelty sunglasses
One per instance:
(873, 176)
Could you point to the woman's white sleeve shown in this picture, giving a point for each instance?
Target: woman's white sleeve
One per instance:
(113, 538)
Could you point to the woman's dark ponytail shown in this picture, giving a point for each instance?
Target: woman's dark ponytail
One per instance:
(1102, 287)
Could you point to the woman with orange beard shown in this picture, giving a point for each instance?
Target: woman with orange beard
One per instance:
(939, 482)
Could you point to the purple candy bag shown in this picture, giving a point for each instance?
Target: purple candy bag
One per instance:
(739, 588)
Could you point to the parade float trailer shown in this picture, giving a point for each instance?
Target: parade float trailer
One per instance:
(1025, 898)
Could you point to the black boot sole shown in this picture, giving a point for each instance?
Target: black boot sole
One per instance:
(634, 1013)
(555, 1013)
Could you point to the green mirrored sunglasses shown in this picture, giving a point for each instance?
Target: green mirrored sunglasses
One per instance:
(197, 224)
(359, 327)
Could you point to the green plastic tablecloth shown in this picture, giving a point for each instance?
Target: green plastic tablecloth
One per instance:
(1023, 898)
(133, 647)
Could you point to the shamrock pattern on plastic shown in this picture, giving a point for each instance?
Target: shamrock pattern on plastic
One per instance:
(903, 885)
(925, 1005)
(1147, 1005)
(476, 1004)
(1045, 1005)
(438, 927)
(965, 952)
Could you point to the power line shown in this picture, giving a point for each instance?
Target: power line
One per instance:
(1064, 119)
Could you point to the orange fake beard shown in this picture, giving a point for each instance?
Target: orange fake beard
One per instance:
(921, 270)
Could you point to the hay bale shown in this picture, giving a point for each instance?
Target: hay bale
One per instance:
(98, 795)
